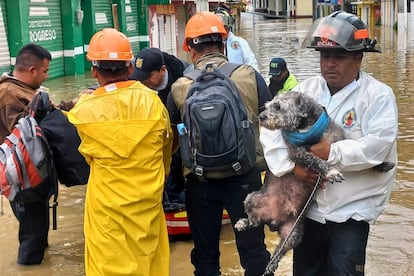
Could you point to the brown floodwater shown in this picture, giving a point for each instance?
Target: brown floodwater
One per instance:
(390, 248)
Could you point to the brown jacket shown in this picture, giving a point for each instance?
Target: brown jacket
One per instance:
(15, 95)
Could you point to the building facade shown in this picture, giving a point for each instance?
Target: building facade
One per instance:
(65, 27)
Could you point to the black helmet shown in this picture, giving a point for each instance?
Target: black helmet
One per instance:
(225, 16)
(340, 30)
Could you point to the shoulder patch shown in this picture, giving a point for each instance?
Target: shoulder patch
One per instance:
(235, 45)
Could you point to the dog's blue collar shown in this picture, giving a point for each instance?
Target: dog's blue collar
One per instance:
(311, 136)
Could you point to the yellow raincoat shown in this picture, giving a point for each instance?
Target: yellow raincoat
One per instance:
(126, 139)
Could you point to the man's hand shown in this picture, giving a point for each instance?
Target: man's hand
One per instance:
(309, 176)
(321, 149)
(88, 90)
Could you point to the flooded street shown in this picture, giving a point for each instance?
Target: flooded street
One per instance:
(390, 248)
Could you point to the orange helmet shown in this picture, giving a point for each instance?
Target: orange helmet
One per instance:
(202, 24)
(109, 45)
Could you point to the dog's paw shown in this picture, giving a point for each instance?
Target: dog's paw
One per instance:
(270, 269)
(334, 176)
(241, 224)
(384, 167)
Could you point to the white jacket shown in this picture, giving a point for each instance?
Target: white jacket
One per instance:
(367, 111)
(239, 51)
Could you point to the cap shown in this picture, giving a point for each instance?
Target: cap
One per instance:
(146, 61)
(277, 66)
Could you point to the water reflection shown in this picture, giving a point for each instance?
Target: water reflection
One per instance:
(390, 250)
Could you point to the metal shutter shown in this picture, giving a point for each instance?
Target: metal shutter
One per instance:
(103, 14)
(131, 28)
(4, 46)
(45, 29)
(168, 43)
(168, 34)
(181, 22)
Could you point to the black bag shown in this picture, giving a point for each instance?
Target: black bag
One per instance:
(63, 139)
(218, 140)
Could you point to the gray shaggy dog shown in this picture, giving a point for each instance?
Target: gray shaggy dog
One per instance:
(281, 200)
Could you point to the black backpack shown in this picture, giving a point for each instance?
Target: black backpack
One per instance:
(71, 166)
(63, 139)
(217, 138)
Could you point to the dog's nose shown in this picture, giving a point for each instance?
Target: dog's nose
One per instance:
(262, 116)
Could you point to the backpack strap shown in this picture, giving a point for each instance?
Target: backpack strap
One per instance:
(55, 197)
(39, 106)
(228, 68)
(52, 177)
(193, 74)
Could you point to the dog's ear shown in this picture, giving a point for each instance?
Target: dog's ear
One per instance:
(301, 103)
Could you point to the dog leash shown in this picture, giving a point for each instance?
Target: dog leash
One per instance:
(302, 212)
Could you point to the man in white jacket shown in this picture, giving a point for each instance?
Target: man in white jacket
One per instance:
(338, 219)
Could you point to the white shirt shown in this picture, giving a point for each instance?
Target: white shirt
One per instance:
(239, 51)
(366, 109)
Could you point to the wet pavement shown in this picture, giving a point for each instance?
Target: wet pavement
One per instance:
(390, 248)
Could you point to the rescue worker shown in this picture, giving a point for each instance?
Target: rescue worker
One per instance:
(17, 90)
(126, 138)
(281, 80)
(159, 70)
(237, 48)
(205, 199)
(338, 219)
